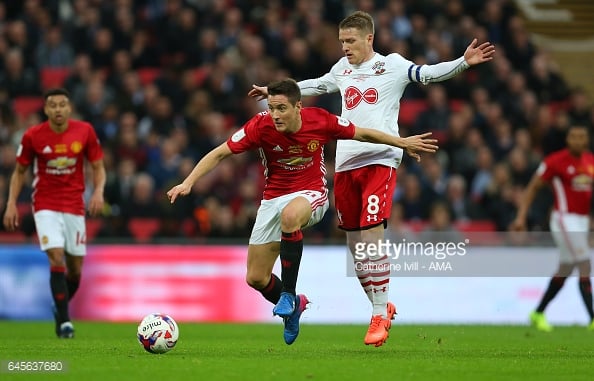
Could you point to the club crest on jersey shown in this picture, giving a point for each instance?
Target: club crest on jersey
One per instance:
(313, 145)
(353, 96)
(378, 67)
(76, 147)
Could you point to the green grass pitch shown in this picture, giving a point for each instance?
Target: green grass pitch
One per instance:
(109, 351)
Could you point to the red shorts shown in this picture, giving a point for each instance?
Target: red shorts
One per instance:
(363, 196)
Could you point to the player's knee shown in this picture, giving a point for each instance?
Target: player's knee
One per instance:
(291, 220)
(256, 281)
(55, 257)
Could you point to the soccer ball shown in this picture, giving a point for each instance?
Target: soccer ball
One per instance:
(158, 333)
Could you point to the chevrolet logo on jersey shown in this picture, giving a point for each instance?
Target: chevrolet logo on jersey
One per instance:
(295, 160)
(581, 183)
(61, 166)
(61, 162)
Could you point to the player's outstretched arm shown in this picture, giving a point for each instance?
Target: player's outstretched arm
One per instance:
(205, 165)
(258, 92)
(519, 223)
(475, 55)
(411, 144)
(11, 216)
(442, 71)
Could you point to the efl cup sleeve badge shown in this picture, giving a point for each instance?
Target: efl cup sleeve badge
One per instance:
(343, 121)
(313, 145)
(237, 136)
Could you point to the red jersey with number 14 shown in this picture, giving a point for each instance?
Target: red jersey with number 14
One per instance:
(571, 177)
(58, 164)
(292, 161)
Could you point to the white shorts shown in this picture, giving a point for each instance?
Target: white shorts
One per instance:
(267, 227)
(61, 230)
(570, 232)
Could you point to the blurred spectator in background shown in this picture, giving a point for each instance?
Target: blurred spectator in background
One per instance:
(17, 79)
(146, 73)
(53, 51)
(440, 227)
(141, 201)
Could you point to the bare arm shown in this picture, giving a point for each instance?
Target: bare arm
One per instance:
(205, 165)
(527, 198)
(411, 144)
(17, 180)
(96, 203)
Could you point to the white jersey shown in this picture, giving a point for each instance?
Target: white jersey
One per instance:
(371, 95)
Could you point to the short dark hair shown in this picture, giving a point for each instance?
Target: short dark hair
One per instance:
(358, 20)
(287, 87)
(57, 91)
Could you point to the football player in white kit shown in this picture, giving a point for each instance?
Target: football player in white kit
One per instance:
(371, 86)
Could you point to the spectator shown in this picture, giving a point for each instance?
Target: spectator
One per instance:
(435, 118)
(142, 201)
(17, 79)
(463, 209)
(53, 51)
(413, 201)
(440, 227)
(548, 85)
(208, 53)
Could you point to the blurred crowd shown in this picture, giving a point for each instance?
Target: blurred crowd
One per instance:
(165, 81)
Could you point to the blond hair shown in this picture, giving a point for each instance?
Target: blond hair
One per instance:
(358, 20)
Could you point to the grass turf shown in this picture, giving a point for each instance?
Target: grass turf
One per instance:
(109, 351)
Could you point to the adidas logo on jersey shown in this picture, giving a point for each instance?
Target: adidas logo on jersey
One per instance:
(47, 149)
(277, 148)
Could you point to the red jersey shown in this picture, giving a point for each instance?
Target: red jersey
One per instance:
(58, 160)
(571, 178)
(292, 162)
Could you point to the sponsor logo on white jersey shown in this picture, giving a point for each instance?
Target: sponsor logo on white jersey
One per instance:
(353, 96)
